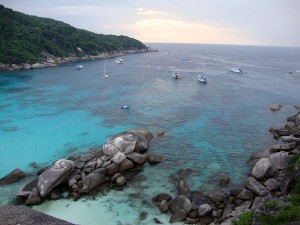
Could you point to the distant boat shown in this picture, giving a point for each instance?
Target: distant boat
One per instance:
(125, 107)
(175, 75)
(236, 70)
(119, 60)
(79, 67)
(201, 78)
(185, 58)
(105, 74)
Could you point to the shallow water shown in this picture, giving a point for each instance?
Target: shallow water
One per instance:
(53, 113)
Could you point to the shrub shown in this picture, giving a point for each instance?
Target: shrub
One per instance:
(244, 219)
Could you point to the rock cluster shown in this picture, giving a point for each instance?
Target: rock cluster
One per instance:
(50, 60)
(82, 174)
(268, 182)
(122, 153)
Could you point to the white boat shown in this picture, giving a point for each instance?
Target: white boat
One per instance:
(79, 67)
(175, 75)
(125, 107)
(105, 74)
(119, 60)
(236, 70)
(185, 58)
(201, 78)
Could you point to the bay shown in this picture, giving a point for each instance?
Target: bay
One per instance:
(52, 113)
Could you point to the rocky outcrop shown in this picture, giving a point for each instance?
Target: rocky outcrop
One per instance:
(268, 182)
(90, 172)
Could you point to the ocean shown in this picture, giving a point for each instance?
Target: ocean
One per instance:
(49, 114)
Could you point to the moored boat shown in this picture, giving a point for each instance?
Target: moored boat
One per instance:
(119, 60)
(175, 75)
(125, 107)
(79, 67)
(201, 78)
(236, 70)
(185, 58)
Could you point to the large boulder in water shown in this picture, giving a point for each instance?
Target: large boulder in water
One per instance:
(143, 139)
(54, 175)
(127, 142)
(12, 177)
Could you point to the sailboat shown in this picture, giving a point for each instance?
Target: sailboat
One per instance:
(105, 74)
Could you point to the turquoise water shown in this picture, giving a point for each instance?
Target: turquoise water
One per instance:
(52, 113)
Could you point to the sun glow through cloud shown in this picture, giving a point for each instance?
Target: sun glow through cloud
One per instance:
(167, 30)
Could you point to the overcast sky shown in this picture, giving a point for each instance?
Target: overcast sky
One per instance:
(250, 22)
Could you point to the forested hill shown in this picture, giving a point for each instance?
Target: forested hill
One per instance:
(26, 39)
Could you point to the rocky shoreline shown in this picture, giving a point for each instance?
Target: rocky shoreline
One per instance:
(122, 157)
(269, 182)
(50, 60)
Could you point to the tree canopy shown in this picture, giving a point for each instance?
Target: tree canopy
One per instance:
(24, 39)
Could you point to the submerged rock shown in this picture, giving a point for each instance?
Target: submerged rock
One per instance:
(154, 159)
(12, 177)
(180, 215)
(275, 107)
(180, 203)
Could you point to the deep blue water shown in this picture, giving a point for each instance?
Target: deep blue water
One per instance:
(47, 114)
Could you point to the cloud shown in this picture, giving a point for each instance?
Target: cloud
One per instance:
(141, 11)
(177, 31)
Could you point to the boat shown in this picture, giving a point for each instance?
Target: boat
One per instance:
(125, 107)
(236, 70)
(119, 60)
(175, 75)
(185, 58)
(79, 67)
(105, 74)
(201, 78)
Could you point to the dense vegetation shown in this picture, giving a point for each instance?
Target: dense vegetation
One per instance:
(25, 38)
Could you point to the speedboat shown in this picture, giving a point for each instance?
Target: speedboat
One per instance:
(185, 58)
(119, 60)
(236, 70)
(125, 107)
(79, 67)
(175, 75)
(201, 78)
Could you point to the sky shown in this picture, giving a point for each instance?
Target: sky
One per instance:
(241, 22)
